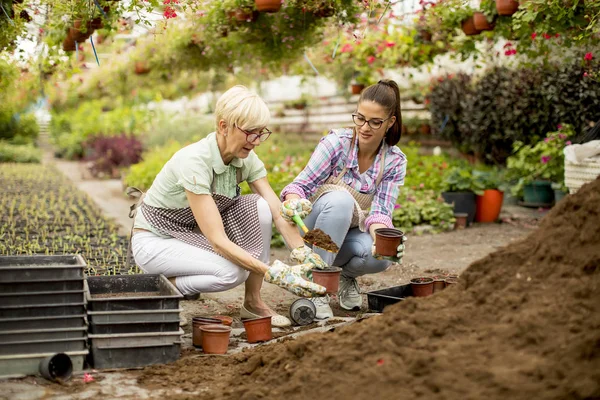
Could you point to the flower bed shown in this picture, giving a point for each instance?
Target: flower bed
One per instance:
(44, 214)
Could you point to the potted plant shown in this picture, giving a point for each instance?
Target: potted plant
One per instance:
(489, 204)
(460, 189)
(534, 168)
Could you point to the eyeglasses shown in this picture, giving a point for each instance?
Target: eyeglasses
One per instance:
(359, 120)
(251, 137)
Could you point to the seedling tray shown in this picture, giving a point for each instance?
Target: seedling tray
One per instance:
(41, 298)
(14, 324)
(379, 299)
(42, 310)
(63, 285)
(42, 346)
(19, 365)
(123, 327)
(42, 334)
(124, 340)
(134, 357)
(41, 268)
(167, 297)
(133, 317)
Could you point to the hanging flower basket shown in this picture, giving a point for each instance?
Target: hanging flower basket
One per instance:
(269, 6)
(68, 44)
(468, 27)
(507, 7)
(480, 22)
(357, 88)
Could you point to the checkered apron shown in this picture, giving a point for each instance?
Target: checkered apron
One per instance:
(362, 201)
(239, 215)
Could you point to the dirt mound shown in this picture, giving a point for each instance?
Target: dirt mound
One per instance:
(524, 322)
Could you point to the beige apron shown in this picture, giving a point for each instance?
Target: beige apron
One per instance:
(362, 201)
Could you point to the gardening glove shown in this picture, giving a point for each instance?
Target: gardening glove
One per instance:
(304, 254)
(289, 208)
(399, 255)
(290, 278)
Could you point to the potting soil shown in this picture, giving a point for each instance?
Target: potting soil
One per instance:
(321, 239)
(521, 323)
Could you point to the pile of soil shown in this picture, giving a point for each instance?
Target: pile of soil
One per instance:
(320, 239)
(522, 323)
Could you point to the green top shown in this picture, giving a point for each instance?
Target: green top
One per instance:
(193, 168)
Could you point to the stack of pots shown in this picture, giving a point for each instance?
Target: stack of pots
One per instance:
(212, 333)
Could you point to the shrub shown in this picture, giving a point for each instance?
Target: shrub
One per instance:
(142, 174)
(422, 207)
(19, 153)
(109, 154)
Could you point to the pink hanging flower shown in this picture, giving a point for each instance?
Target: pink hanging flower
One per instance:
(396, 206)
(568, 142)
(545, 159)
(559, 126)
(347, 48)
(169, 12)
(588, 56)
(390, 44)
(371, 59)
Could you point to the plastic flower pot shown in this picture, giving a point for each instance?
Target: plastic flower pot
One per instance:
(538, 193)
(421, 287)
(439, 284)
(215, 338)
(387, 241)
(57, 368)
(489, 205)
(268, 5)
(258, 329)
(507, 7)
(461, 220)
(197, 323)
(225, 319)
(329, 278)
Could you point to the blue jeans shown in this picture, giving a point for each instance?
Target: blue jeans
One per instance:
(332, 213)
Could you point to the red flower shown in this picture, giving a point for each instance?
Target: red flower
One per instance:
(390, 44)
(589, 56)
(533, 35)
(347, 48)
(546, 36)
(371, 59)
(169, 12)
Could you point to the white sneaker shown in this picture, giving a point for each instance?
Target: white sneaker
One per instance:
(349, 294)
(322, 305)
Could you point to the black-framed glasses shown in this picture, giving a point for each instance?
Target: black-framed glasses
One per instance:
(251, 137)
(374, 123)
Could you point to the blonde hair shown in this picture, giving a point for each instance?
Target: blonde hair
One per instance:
(243, 108)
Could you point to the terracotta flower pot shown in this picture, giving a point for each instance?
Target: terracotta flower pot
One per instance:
(489, 205)
(329, 278)
(425, 129)
(387, 241)
(258, 329)
(198, 322)
(461, 220)
(480, 22)
(225, 319)
(507, 7)
(268, 5)
(141, 68)
(439, 284)
(468, 27)
(357, 88)
(421, 287)
(215, 338)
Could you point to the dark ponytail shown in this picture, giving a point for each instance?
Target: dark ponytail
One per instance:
(387, 94)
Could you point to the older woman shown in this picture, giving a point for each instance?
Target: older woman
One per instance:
(193, 225)
(353, 178)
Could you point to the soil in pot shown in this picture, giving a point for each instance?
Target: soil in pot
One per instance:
(422, 287)
(387, 241)
(328, 277)
(258, 329)
(320, 239)
(215, 338)
(461, 220)
(225, 319)
(198, 322)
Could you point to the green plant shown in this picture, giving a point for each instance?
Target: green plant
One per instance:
(19, 153)
(142, 174)
(542, 161)
(462, 180)
(491, 178)
(422, 207)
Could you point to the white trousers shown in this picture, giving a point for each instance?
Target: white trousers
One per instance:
(197, 270)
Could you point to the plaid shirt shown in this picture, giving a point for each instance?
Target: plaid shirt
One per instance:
(330, 157)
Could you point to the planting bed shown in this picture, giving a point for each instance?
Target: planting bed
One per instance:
(43, 213)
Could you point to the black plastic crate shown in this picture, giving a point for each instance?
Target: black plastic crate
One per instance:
(134, 328)
(133, 317)
(59, 322)
(133, 357)
(41, 268)
(379, 299)
(27, 335)
(167, 296)
(46, 286)
(43, 346)
(42, 310)
(41, 298)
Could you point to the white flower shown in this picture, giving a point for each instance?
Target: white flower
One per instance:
(65, 18)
